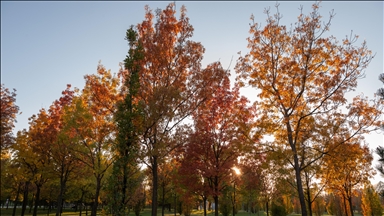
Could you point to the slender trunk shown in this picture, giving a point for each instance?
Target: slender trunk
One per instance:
(345, 206)
(209, 205)
(60, 199)
(154, 185)
(267, 207)
(216, 198)
(125, 179)
(350, 205)
(308, 195)
(297, 170)
(162, 198)
(31, 203)
(205, 205)
(300, 186)
(37, 199)
(96, 198)
(175, 204)
(16, 199)
(81, 202)
(25, 200)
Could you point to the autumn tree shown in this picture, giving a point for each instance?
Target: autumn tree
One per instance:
(57, 142)
(172, 84)
(30, 154)
(9, 109)
(250, 190)
(18, 165)
(222, 130)
(371, 205)
(303, 77)
(8, 112)
(88, 122)
(347, 168)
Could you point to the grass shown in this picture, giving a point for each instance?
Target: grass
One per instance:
(146, 212)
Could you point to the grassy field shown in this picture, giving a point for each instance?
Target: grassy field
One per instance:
(146, 212)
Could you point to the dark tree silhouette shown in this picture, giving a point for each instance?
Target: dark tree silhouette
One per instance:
(380, 152)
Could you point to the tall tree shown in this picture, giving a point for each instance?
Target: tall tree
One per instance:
(347, 168)
(8, 111)
(222, 129)
(34, 159)
(371, 205)
(303, 77)
(58, 142)
(172, 84)
(88, 121)
(128, 117)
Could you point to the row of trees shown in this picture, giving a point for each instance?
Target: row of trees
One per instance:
(167, 120)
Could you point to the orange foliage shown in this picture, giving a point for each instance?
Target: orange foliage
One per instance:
(303, 78)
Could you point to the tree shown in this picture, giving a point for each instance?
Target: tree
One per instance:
(58, 142)
(9, 109)
(88, 121)
(250, 165)
(127, 119)
(371, 204)
(34, 160)
(380, 152)
(172, 84)
(303, 77)
(346, 169)
(222, 130)
(380, 91)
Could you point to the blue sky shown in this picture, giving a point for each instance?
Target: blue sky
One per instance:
(47, 45)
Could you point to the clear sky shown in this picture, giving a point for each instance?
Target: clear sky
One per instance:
(47, 45)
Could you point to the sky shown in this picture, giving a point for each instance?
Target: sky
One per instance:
(47, 45)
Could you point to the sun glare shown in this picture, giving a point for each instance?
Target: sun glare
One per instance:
(237, 171)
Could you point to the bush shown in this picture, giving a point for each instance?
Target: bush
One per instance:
(278, 210)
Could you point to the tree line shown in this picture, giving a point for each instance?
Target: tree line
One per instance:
(167, 128)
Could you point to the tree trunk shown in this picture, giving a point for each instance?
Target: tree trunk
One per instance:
(267, 207)
(350, 205)
(297, 169)
(300, 186)
(96, 198)
(205, 205)
(121, 208)
(175, 204)
(31, 203)
(162, 198)
(25, 200)
(60, 199)
(154, 185)
(37, 199)
(345, 206)
(81, 201)
(308, 195)
(216, 198)
(16, 199)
